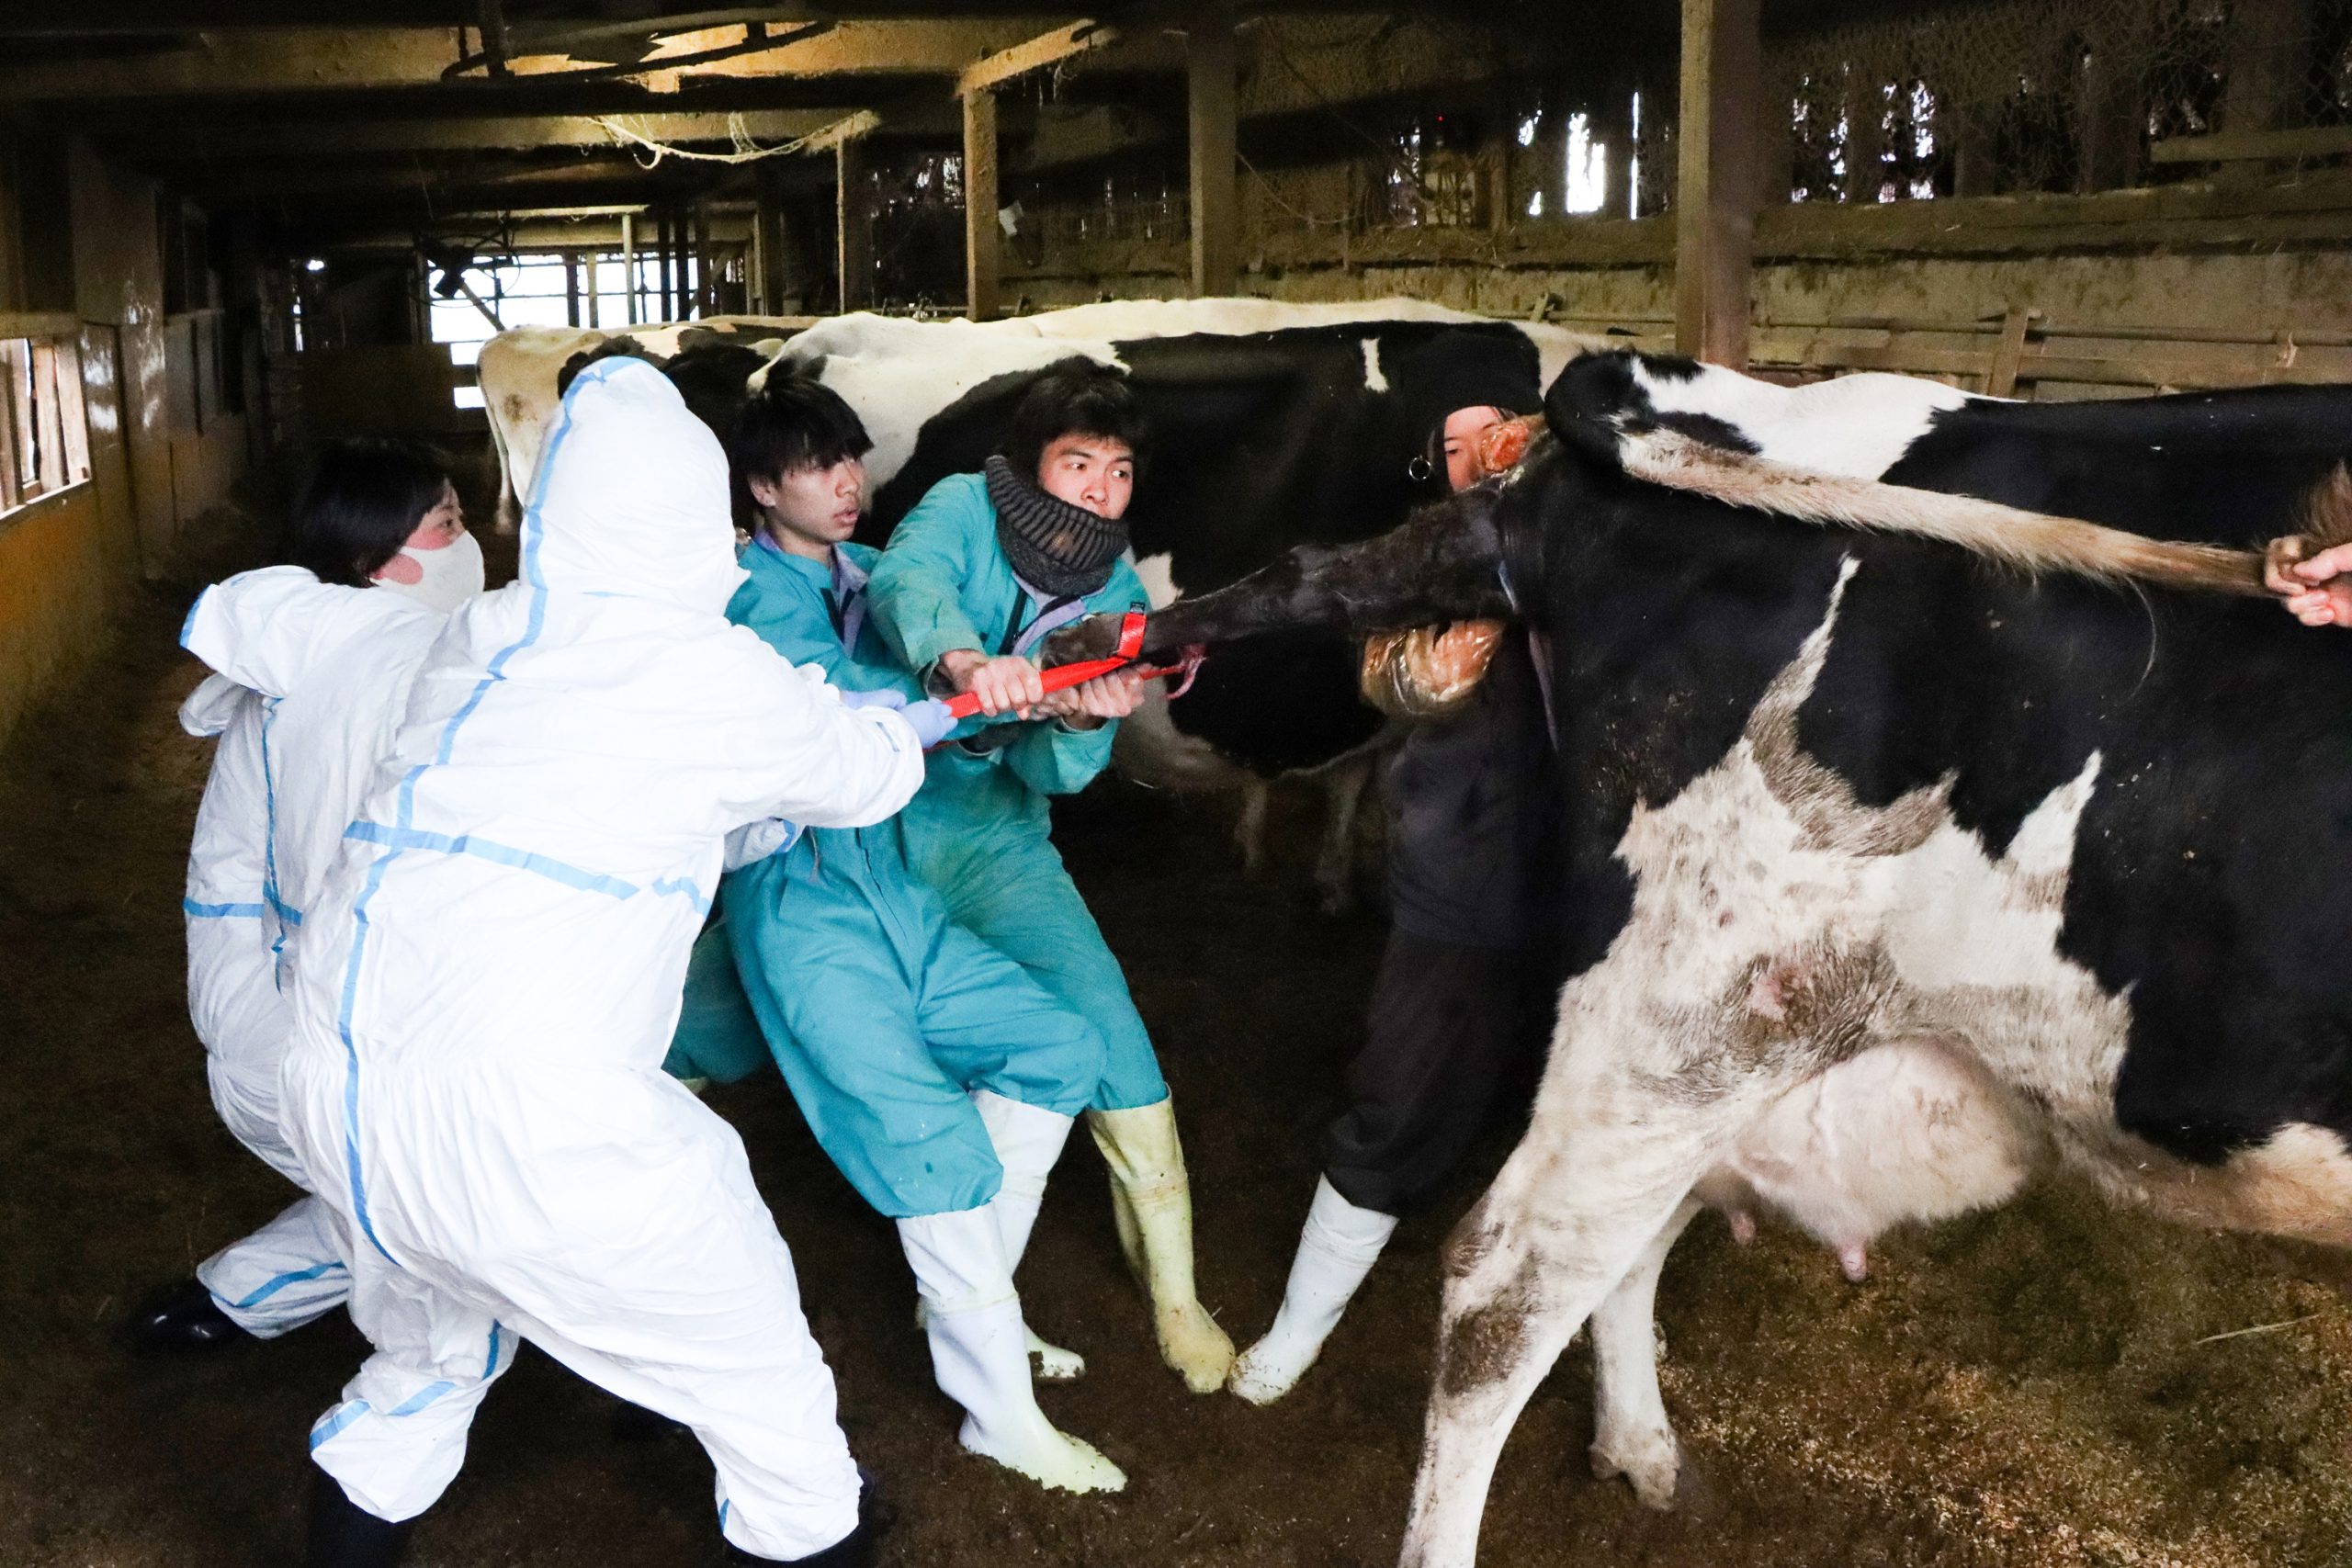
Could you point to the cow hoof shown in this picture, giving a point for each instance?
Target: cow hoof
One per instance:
(1652, 1467)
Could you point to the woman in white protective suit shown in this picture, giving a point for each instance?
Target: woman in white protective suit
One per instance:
(488, 981)
(302, 713)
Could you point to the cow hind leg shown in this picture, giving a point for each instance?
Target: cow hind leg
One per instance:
(1335, 865)
(1517, 1291)
(1632, 1436)
(1586, 1208)
(1249, 827)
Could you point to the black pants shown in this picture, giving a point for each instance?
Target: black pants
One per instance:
(1452, 1036)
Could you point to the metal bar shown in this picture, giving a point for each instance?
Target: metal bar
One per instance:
(488, 314)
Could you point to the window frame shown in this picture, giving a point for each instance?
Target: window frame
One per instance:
(44, 421)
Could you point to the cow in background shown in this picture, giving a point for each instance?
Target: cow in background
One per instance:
(1907, 857)
(519, 369)
(1274, 426)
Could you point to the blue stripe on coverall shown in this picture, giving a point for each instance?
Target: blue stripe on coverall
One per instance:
(533, 532)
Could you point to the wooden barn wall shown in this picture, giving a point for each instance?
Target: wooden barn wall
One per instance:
(79, 246)
(55, 593)
(2218, 277)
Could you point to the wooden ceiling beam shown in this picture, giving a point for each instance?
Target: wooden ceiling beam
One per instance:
(276, 182)
(1048, 49)
(488, 134)
(256, 64)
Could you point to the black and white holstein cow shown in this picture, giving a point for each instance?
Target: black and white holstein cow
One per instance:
(1273, 425)
(1915, 844)
(519, 371)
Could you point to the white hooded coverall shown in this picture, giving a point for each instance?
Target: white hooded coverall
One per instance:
(488, 981)
(310, 677)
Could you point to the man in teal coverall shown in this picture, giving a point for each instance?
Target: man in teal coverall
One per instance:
(975, 577)
(941, 1078)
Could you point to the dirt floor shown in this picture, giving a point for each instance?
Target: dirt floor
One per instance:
(2038, 1386)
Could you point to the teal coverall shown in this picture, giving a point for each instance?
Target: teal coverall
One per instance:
(881, 1011)
(977, 830)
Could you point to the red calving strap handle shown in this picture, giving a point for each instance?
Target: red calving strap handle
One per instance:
(1063, 676)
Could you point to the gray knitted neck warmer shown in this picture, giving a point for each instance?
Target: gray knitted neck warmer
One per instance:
(1054, 546)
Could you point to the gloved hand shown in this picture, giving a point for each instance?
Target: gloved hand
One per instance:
(757, 841)
(931, 719)
(882, 697)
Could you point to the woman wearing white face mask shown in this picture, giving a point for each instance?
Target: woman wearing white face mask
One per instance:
(313, 668)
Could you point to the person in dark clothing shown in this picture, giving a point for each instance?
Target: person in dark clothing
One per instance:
(1471, 797)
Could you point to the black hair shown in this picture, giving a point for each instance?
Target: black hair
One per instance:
(364, 499)
(794, 423)
(1078, 397)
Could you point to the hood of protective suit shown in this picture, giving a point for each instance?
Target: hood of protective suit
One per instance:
(631, 497)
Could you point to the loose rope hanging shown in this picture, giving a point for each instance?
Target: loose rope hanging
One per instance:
(747, 150)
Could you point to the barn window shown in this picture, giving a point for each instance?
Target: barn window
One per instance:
(469, 306)
(44, 442)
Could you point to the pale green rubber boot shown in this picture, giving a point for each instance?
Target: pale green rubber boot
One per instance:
(1152, 1202)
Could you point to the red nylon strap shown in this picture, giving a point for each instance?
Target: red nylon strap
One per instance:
(1061, 677)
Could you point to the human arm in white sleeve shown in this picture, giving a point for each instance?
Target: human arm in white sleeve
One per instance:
(267, 630)
(814, 760)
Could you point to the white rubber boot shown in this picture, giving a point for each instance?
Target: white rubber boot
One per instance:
(1028, 1140)
(1335, 1250)
(977, 1353)
(1153, 1202)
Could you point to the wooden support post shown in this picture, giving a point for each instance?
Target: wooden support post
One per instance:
(2271, 45)
(1776, 147)
(1209, 77)
(628, 267)
(665, 262)
(592, 317)
(982, 236)
(1611, 125)
(1967, 129)
(769, 282)
(2108, 112)
(1715, 208)
(572, 287)
(853, 236)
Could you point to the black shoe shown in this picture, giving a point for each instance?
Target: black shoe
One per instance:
(344, 1535)
(854, 1550)
(184, 1317)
